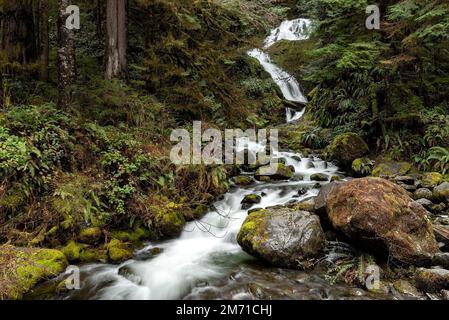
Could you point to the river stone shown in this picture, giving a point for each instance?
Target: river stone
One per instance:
(431, 179)
(404, 287)
(445, 294)
(249, 200)
(283, 172)
(319, 177)
(441, 192)
(425, 203)
(423, 193)
(381, 216)
(441, 259)
(243, 180)
(405, 180)
(282, 237)
(432, 280)
(391, 168)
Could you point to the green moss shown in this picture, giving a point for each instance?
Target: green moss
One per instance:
(200, 211)
(72, 250)
(90, 235)
(391, 168)
(431, 179)
(243, 180)
(168, 219)
(347, 147)
(135, 236)
(24, 268)
(319, 177)
(119, 251)
(89, 255)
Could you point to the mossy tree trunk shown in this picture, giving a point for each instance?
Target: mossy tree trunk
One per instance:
(116, 40)
(66, 57)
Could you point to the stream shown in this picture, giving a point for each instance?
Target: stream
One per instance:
(206, 262)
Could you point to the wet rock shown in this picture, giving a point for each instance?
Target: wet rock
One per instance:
(362, 167)
(437, 208)
(302, 191)
(282, 237)
(425, 203)
(391, 168)
(381, 216)
(441, 259)
(297, 178)
(319, 177)
(431, 179)
(408, 187)
(321, 200)
(407, 180)
(441, 192)
(317, 186)
(335, 178)
(347, 147)
(249, 200)
(442, 220)
(445, 294)
(128, 273)
(404, 287)
(243, 180)
(423, 193)
(90, 235)
(306, 205)
(282, 173)
(432, 280)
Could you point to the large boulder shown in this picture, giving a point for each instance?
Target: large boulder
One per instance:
(380, 215)
(347, 147)
(282, 237)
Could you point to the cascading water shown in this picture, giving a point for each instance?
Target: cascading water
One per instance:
(289, 30)
(207, 251)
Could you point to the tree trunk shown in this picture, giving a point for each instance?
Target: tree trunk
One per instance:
(18, 34)
(116, 40)
(44, 39)
(66, 57)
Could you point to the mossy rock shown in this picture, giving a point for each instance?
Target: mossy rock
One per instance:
(90, 255)
(319, 177)
(243, 180)
(347, 147)
(362, 167)
(391, 168)
(23, 268)
(170, 223)
(119, 251)
(72, 251)
(282, 172)
(249, 200)
(431, 179)
(136, 235)
(200, 210)
(90, 235)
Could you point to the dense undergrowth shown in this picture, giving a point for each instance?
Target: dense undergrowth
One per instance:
(104, 162)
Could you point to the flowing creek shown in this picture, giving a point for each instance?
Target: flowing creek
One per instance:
(206, 262)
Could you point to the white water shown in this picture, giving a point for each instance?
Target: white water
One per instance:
(207, 249)
(289, 30)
